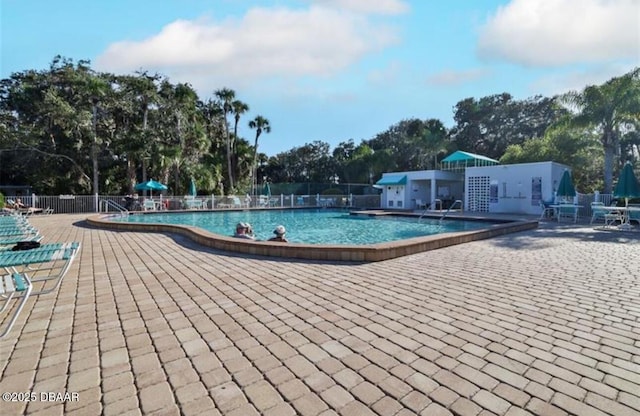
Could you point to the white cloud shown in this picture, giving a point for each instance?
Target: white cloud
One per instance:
(451, 77)
(559, 32)
(578, 79)
(264, 43)
(367, 6)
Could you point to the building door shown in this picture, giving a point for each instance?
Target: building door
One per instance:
(395, 196)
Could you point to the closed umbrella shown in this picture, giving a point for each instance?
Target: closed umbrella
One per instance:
(565, 188)
(192, 188)
(627, 186)
(266, 194)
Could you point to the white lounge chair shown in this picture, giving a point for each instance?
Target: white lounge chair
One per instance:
(193, 203)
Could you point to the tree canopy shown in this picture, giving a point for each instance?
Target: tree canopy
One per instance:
(88, 131)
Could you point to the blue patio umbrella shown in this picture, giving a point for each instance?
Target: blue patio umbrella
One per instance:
(192, 188)
(627, 186)
(566, 188)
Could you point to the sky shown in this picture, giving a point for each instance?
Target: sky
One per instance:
(335, 70)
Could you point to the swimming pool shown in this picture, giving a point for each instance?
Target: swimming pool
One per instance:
(314, 226)
(405, 233)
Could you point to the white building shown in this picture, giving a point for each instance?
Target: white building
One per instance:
(481, 183)
(512, 189)
(417, 189)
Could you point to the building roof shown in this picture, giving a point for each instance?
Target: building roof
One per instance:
(458, 161)
(460, 156)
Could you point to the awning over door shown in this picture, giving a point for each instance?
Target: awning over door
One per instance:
(393, 180)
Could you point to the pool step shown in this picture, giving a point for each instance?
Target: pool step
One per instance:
(371, 213)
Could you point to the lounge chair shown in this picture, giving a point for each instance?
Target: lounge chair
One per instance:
(6, 243)
(16, 282)
(193, 203)
(54, 258)
(11, 285)
(22, 209)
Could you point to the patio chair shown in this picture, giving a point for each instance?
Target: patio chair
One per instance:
(236, 202)
(193, 203)
(597, 211)
(612, 217)
(420, 204)
(567, 211)
(633, 212)
(149, 205)
(547, 210)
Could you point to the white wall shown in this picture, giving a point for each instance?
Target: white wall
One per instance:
(515, 185)
(419, 186)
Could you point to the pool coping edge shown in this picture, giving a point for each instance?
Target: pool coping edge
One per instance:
(351, 253)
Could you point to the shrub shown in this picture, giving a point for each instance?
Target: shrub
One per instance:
(331, 191)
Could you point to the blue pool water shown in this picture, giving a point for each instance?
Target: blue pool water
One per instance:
(313, 226)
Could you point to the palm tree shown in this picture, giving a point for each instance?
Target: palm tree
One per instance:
(226, 97)
(261, 124)
(238, 108)
(608, 107)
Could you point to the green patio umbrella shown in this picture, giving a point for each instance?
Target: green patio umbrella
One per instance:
(627, 186)
(566, 188)
(266, 190)
(192, 188)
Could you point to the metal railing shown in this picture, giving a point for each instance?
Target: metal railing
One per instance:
(78, 204)
(456, 202)
(106, 204)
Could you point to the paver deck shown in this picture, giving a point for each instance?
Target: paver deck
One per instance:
(543, 322)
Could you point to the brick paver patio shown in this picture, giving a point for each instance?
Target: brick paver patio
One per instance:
(545, 322)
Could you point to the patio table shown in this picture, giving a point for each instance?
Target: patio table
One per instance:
(558, 207)
(623, 212)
